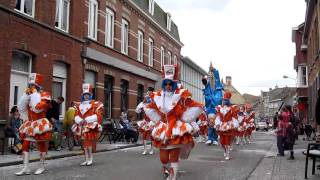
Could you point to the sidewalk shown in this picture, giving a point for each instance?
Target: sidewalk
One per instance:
(13, 159)
(272, 167)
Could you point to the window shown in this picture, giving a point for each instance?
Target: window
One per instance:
(90, 78)
(140, 46)
(59, 83)
(169, 57)
(108, 86)
(93, 19)
(175, 62)
(150, 52)
(62, 14)
(124, 95)
(21, 62)
(151, 7)
(109, 27)
(124, 36)
(302, 76)
(169, 21)
(162, 56)
(20, 70)
(26, 7)
(140, 99)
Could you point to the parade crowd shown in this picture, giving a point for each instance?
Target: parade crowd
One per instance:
(171, 120)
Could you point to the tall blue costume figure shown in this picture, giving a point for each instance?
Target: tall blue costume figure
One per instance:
(213, 97)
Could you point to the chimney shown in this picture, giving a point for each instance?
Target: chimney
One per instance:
(228, 80)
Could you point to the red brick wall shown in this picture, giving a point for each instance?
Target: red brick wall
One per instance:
(49, 45)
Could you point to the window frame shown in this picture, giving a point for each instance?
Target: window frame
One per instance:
(150, 52)
(61, 13)
(162, 55)
(169, 57)
(124, 36)
(22, 3)
(175, 61)
(109, 41)
(30, 61)
(169, 22)
(124, 96)
(140, 50)
(140, 98)
(94, 26)
(151, 7)
(108, 93)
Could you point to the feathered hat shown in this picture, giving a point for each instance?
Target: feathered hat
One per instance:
(36, 79)
(170, 73)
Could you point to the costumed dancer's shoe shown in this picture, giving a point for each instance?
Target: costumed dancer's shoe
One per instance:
(26, 169)
(165, 172)
(174, 171)
(151, 152)
(145, 147)
(86, 155)
(90, 157)
(209, 142)
(215, 143)
(144, 152)
(41, 168)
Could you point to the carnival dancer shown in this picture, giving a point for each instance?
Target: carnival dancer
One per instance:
(203, 126)
(242, 127)
(226, 123)
(88, 119)
(250, 126)
(145, 125)
(174, 114)
(37, 127)
(213, 98)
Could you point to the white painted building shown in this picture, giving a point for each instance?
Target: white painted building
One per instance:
(191, 78)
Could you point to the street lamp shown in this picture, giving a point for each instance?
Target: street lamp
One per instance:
(287, 77)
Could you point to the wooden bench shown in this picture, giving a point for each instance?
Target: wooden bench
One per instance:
(313, 152)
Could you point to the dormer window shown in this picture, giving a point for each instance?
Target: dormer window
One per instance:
(151, 7)
(169, 21)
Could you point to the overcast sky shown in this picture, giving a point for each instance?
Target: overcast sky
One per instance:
(249, 40)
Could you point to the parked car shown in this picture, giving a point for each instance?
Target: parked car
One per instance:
(262, 125)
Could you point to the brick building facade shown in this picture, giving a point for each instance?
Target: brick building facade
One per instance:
(300, 65)
(311, 44)
(119, 46)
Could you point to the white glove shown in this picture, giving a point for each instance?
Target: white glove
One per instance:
(91, 119)
(78, 120)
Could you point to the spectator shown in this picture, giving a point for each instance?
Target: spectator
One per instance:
(130, 133)
(53, 116)
(291, 130)
(12, 129)
(281, 132)
(68, 121)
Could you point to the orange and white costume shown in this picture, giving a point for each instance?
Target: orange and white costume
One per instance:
(203, 126)
(242, 128)
(226, 123)
(174, 114)
(37, 127)
(250, 126)
(88, 119)
(145, 126)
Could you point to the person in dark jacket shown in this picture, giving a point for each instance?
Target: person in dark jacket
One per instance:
(53, 116)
